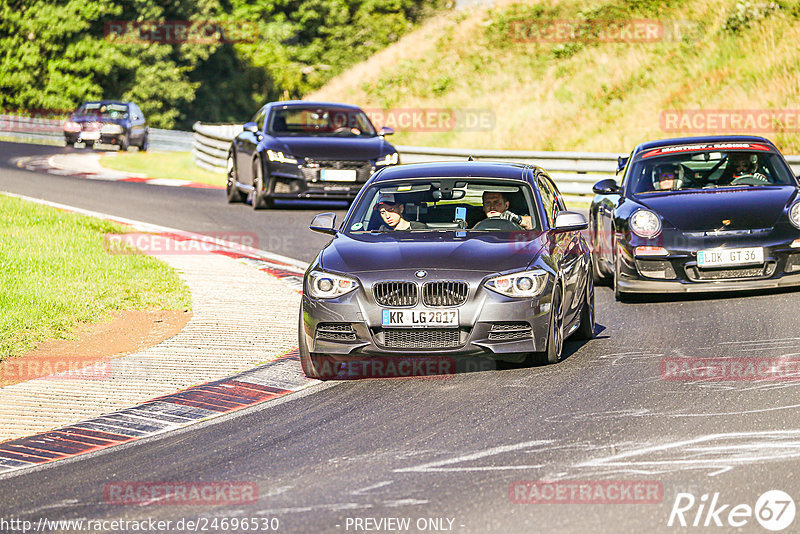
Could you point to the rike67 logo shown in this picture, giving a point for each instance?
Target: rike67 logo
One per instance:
(774, 510)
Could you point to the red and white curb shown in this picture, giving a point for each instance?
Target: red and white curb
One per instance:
(46, 164)
(271, 380)
(160, 415)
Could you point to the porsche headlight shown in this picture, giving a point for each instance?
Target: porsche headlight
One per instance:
(645, 223)
(794, 214)
(111, 129)
(525, 284)
(323, 285)
(72, 127)
(388, 159)
(280, 157)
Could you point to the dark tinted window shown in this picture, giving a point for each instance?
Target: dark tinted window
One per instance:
(707, 170)
(312, 121)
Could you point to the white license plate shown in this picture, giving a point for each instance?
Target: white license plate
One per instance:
(420, 318)
(338, 175)
(90, 135)
(721, 257)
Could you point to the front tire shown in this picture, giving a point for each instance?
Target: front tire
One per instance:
(232, 189)
(586, 329)
(125, 143)
(555, 335)
(260, 200)
(310, 368)
(145, 143)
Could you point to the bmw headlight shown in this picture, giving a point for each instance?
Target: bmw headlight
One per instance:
(323, 285)
(794, 214)
(525, 284)
(111, 129)
(388, 159)
(280, 157)
(645, 223)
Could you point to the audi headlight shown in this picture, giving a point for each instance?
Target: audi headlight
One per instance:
(327, 286)
(388, 159)
(645, 223)
(111, 129)
(525, 284)
(794, 214)
(280, 157)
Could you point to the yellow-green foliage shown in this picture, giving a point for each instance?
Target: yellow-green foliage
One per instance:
(586, 94)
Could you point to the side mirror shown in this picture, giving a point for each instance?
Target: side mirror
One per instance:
(386, 131)
(570, 221)
(606, 187)
(324, 223)
(251, 127)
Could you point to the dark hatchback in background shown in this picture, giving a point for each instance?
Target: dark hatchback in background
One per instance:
(108, 122)
(455, 283)
(698, 214)
(298, 149)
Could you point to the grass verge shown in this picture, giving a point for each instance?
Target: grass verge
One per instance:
(173, 165)
(56, 273)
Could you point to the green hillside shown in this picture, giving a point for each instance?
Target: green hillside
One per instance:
(590, 91)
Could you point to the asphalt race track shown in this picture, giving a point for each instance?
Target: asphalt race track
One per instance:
(459, 453)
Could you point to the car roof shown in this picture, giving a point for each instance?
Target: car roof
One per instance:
(106, 102)
(710, 139)
(307, 103)
(458, 169)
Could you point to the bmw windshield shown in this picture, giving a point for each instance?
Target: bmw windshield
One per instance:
(443, 204)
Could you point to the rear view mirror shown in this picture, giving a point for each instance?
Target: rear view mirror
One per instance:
(386, 131)
(324, 223)
(606, 187)
(251, 127)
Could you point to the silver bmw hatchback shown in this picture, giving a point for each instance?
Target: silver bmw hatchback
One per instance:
(435, 262)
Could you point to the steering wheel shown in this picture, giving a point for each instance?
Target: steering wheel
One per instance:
(748, 179)
(497, 224)
(342, 129)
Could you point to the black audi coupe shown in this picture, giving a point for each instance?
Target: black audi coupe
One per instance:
(715, 213)
(298, 149)
(440, 261)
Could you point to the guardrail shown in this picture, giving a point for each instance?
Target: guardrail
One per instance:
(49, 131)
(574, 172)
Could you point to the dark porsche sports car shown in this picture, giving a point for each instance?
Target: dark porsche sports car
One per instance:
(299, 149)
(109, 122)
(448, 259)
(698, 214)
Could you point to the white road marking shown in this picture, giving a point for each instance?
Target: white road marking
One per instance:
(437, 466)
